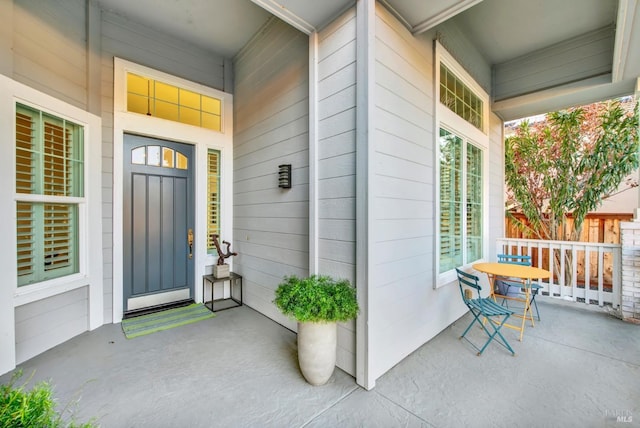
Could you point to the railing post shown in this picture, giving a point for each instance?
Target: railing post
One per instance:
(617, 278)
(576, 289)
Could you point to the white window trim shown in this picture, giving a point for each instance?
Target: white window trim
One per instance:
(89, 206)
(201, 138)
(447, 119)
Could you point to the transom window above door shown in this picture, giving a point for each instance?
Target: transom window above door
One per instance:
(159, 156)
(158, 99)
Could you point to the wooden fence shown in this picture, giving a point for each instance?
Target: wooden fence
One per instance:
(597, 228)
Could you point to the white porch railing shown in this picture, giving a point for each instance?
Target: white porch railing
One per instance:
(585, 272)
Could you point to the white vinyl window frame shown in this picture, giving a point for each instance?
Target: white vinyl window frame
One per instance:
(89, 210)
(445, 118)
(49, 189)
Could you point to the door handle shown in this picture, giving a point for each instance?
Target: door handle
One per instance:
(190, 241)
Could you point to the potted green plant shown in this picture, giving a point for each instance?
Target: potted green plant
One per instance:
(317, 302)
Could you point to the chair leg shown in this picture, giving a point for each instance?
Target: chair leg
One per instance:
(475, 319)
(496, 332)
(505, 302)
(535, 304)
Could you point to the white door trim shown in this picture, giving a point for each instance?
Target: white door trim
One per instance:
(202, 140)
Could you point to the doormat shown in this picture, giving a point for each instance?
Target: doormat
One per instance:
(150, 323)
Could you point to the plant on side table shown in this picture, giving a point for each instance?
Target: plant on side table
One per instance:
(221, 269)
(317, 303)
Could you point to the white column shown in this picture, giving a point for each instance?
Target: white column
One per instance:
(637, 98)
(313, 153)
(8, 263)
(630, 295)
(365, 66)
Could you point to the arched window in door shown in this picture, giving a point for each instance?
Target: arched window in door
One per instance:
(159, 156)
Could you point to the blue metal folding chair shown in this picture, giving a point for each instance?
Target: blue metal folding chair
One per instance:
(483, 309)
(513, 288)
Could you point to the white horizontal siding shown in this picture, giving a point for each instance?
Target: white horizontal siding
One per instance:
(6, 38)
(336, 145)
(268, 144)
(44, 324)
(262, 197)
(145, 46)
(106, 108)
(271, 112)
(282, 102)
(336, 167)
(49, 48)
(405, 311)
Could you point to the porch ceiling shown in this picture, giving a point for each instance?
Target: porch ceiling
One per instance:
(510, 34)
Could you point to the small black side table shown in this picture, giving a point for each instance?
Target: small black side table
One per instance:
(235, 281)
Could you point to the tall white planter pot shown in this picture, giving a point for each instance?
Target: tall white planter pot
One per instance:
(317, 351)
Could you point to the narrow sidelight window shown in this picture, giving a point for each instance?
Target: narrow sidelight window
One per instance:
(213, 198)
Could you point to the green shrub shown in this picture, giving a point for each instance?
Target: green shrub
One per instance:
(316, 299)
(20, 408)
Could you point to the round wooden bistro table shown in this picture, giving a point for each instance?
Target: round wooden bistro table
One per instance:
(520, 273)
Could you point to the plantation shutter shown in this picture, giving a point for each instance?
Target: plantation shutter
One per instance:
(59, 233)
(26, 242)
(49, 163)
(474, 203)
(25, 156)
(450, 201)
(213, 198)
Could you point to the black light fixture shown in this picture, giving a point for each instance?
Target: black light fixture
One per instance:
(284, 176)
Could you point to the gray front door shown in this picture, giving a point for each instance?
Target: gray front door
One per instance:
(158, 222)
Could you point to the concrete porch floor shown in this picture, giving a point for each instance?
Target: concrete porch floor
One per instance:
(576, 368)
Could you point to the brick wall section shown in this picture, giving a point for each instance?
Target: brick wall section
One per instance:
(630, 240)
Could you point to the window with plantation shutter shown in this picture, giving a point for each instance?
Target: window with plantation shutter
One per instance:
(461, 114)
(450, 201)
(474, 203)
(213, 198)
(460, 198)
(49, 187)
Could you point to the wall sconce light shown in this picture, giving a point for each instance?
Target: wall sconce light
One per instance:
(284, 176)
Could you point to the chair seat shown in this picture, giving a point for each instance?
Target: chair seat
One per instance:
(517, 284)
(489, 307)
(504, 287)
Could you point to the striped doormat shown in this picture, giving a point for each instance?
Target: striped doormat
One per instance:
(164, 320)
